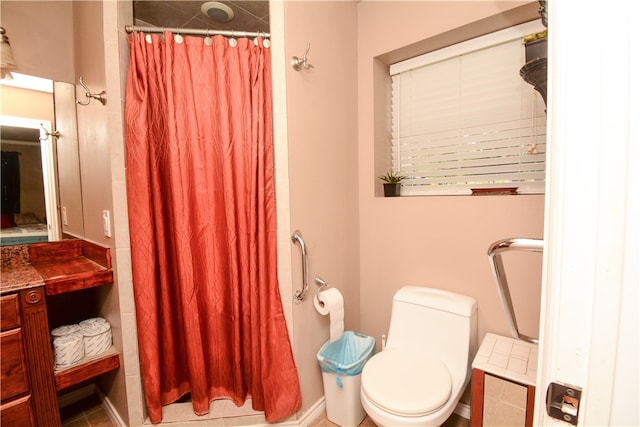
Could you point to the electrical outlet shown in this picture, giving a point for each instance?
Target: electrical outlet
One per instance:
(63, 212)
(106, 223)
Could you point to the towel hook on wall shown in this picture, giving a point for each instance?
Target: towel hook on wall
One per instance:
(102, 96)
(47, 134)
(299, 63)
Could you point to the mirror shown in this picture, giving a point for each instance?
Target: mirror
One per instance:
(40, 169)
(68, 161)
(42, 43)
(28, 214)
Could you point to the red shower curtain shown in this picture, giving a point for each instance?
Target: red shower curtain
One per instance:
(202, 215)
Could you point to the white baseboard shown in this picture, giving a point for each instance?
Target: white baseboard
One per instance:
(110, 409)
(313, 413)
(317, 410)
(463, 410)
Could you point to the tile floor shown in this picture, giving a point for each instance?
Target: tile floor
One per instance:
(90, 413)
(453, 421)
(87, 412)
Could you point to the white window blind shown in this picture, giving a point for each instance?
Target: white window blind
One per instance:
(463, 118)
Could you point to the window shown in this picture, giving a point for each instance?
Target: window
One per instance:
(463, 118)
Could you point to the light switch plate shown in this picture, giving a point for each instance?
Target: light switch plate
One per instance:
(106, 223)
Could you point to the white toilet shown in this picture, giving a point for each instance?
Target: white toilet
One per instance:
(420, 375)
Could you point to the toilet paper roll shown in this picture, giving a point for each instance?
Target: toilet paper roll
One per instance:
(330, 302)
(68, 349)
(93, 321)
(63, 330)
(97, 338)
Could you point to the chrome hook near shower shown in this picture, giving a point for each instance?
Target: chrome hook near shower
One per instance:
(300, 63)
(102, 96)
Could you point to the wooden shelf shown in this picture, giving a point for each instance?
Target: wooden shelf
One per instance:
(87, 368)
(73, 275)
(71, 265)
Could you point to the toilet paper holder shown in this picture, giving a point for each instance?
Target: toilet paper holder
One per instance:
(321, 283)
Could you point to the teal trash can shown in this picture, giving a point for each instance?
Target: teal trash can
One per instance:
(341, 363)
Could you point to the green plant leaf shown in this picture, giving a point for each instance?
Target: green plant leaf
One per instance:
(392, 178)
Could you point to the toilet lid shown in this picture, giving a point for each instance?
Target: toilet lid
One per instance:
(406, 382)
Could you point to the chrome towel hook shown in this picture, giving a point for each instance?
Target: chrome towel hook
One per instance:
(299, 63)
(102, 96)
(47, 134)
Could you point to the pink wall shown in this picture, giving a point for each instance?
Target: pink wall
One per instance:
(101, 59)
(434, 241)
(41, 37)
(27, 103)
(323, 158)
(92, 119)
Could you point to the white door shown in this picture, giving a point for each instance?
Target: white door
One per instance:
(47, 152)
(589, 323)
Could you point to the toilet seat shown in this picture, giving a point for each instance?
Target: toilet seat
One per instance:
(406, 382)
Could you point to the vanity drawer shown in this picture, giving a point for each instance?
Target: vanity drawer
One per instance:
(9, 312)
(13, 369)
(18, 412)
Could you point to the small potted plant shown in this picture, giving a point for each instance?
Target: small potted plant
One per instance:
(392, 183)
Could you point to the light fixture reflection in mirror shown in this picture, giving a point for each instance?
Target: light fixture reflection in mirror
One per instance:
(7, 62)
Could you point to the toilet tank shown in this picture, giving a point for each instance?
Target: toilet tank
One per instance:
(439, 322)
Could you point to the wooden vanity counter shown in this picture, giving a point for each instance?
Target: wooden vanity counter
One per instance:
(64, 266)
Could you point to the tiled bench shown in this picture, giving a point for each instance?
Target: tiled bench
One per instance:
(508, 358)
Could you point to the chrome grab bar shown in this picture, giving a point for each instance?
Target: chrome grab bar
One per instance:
(299, 295)
(495, 258)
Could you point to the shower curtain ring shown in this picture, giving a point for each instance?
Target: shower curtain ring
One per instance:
(232, 41)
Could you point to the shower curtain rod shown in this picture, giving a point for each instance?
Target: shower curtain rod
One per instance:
(194, 31)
